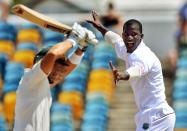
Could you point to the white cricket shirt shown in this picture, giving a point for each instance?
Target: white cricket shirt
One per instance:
(33, 102)
(149, 89)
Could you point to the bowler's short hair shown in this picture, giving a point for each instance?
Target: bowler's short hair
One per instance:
(132, 22)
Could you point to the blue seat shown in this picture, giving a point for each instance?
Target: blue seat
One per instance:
(31, 26)
(97, 108)
(182, 63)
(9, 87)
(98, 98)
(180, 85)
(95, 118)
(88, 127)
(98, 54)
(88, 54)
(105, 59)
(50, 43)
(3, 124)
(27, 46)
(103, 46)
(181, 119)
(3, 63)
(81, 87)
(61, 118)
(7, 27)
(181, 73)
(52, 36)
(180, 105)
(86, 57)
(13, 78)
(179, 95)
(100, 65)
(7, 36)
(77, 75)
(14, 72)
(11, 66)
(82, 69)
(56, 106)
(62, 128)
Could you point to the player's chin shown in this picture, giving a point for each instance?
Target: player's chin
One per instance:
(129, 50)
(54, 83)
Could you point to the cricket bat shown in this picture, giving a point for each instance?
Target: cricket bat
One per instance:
(42, 20)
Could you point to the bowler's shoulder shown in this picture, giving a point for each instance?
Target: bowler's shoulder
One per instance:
(145, 55)
(144, 50)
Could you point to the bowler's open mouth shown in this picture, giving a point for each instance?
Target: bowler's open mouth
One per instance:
(129, 44)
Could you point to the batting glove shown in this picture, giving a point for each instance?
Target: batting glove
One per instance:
(83, 36)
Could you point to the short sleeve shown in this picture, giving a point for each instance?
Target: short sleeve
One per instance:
(35, 74)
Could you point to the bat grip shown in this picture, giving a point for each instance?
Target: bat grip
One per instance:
(93, 41)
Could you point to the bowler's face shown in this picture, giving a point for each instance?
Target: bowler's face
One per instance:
(131, 37)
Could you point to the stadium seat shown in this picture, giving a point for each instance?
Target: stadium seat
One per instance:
(27, 46)
(25, 57)
(7, 47)
(29, 35)
(9, 106)
(75, 100)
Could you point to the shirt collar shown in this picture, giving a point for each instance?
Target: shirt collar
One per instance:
(142, 44)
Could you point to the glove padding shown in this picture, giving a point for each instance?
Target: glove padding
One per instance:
(83, 36)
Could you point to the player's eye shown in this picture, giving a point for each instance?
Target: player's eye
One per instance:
(133, 34)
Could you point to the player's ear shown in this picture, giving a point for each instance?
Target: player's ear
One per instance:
(142, 35)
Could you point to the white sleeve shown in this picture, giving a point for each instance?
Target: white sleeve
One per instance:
(116, 39)
(76, 59)
(37, 71)
(137, 69)
(35, 74)
(134, 71)
(112, 37)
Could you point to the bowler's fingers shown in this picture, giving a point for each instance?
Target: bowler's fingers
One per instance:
(111, 65)
(95, 16)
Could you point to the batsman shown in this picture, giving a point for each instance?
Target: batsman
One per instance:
(33, 102)
(144, 71)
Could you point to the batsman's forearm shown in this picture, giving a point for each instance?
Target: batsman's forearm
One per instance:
(58, 51)
(76, 57)
(99, 27)
(79, 51)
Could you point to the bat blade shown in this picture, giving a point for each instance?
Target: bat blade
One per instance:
(40, 19)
